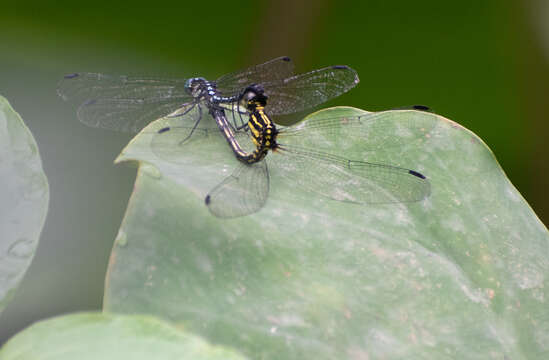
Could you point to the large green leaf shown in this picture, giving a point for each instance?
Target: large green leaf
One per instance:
(24, 199)
(107, 336)
(462, 274)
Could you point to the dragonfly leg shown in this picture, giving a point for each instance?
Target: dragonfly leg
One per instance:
(242, 121)
(243, 126)
(167, 128)
(184, 113)
(234, 123)
(194, 127)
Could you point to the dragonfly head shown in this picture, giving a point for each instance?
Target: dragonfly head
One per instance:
(195, 86)
(254, 97)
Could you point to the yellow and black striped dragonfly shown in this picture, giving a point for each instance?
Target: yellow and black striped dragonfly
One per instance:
(305, 155)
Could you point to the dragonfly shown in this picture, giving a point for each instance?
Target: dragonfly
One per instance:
(126, 103)
(303, 155)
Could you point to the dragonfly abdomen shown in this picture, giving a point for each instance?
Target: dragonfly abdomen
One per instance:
(261, 139)
(262, 129)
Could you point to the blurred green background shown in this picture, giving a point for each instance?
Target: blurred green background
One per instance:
(484, 64)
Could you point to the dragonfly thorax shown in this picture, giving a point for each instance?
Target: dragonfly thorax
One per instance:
(202, 89)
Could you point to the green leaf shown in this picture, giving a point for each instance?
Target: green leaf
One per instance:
(461, 274)
(24, 197)
(108, 336)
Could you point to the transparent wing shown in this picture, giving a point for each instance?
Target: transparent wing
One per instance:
(244, 192)
(122, 103)
(174, 133)
(349, 180)
(305, 91)
(375, 131)
(276, 69)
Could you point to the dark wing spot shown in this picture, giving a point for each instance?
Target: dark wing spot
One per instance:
(414, 107)
(207, 199)
(421, 107)
(71, 76)
(285, 58)
(163, 130)
(341, 67)
(415, 173)
(90, 102)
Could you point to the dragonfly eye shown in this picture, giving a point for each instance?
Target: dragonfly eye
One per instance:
(247, 96)
(250, 95)
(254, 96)
(194, 86)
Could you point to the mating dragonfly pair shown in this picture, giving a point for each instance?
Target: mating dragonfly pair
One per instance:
(251, 97)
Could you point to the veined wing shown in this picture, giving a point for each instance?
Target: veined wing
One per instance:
(173, 136)
(242, 193)
(349, 180)
(273, 70)
(305, 91)
(122, 102)
(173, 133)
(375, 131)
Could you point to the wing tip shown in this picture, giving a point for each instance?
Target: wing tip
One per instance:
(347, 68)
(61, 90)
(416, 173)
(422, 108)
(418, 107)
(62, 95)
(89, 102)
